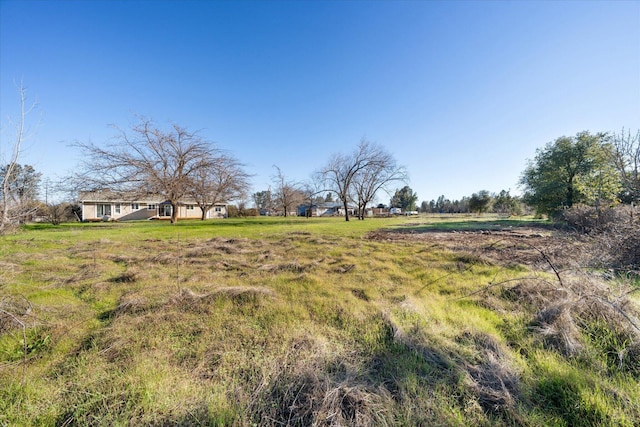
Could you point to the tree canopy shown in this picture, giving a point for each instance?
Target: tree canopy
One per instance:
(570, 170)
(405, 198)
(480, 202)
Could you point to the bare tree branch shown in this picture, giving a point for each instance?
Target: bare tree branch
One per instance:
(11, 208)
(360, 175)
(147, 160)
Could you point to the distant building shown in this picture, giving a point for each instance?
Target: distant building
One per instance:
(324, 209)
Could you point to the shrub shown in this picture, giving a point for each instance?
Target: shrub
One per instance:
(588, 219)
(616, 233)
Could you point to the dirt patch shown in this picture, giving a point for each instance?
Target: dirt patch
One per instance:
(524, 246)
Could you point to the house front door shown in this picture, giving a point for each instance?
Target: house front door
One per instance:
(165, 210)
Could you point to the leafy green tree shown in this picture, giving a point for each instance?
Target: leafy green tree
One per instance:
(405, 198)
(23, 182)
(570, 170)
(505, 203)
(262, 200)
(480, 202)
(441, 204)
(19, 190)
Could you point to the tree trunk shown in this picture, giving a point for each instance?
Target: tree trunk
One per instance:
(570, 194)
(174, 213)
(204, 213)
(346, 211)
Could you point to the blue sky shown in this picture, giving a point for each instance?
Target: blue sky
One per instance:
(462, 93)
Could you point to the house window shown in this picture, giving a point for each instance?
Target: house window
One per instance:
(218, 209)
(135, 206)
(103, 210)
(152, 207)
(117, 208)
(189, 207)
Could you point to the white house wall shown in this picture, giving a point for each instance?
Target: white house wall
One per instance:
(128, 212)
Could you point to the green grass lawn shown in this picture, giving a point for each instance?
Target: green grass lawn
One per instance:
(290, 321)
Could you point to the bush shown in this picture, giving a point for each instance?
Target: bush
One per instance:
(588, 219)
(616, 233)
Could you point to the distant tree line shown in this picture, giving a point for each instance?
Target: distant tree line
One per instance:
(481, 202)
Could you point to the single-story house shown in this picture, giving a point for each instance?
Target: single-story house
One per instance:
(323, 209)
(106, 205)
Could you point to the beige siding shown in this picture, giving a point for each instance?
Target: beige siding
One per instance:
(138, 210)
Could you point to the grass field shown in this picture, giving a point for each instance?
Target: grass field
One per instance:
(294, 321)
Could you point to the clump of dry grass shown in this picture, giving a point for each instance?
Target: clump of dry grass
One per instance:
(131, 304)
(130, 276)
(343, 269)
(534, 293)
(15, 311)
(556, 325)
(579, 307)
(304, 388)
(292, 267)
(360, 294)
(164, 258)
(493, 377)
(238, 294)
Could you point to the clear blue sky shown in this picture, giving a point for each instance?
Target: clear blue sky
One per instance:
(462, 93)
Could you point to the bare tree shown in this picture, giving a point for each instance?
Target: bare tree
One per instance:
(359, 175)
(380, 173)
(626, 158)
(221, 180)
(10, 205)
(287, 194)
(148, 160)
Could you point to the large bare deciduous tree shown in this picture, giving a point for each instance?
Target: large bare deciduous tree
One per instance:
(148, 160)
(356, 177)
(221, 180)
(381, 172)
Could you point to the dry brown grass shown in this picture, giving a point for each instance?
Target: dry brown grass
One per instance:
(301, 388)
(15, 312)
(493, 376)
(239, 294)
(557, 327)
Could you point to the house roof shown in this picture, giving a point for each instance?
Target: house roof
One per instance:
(112, 196)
